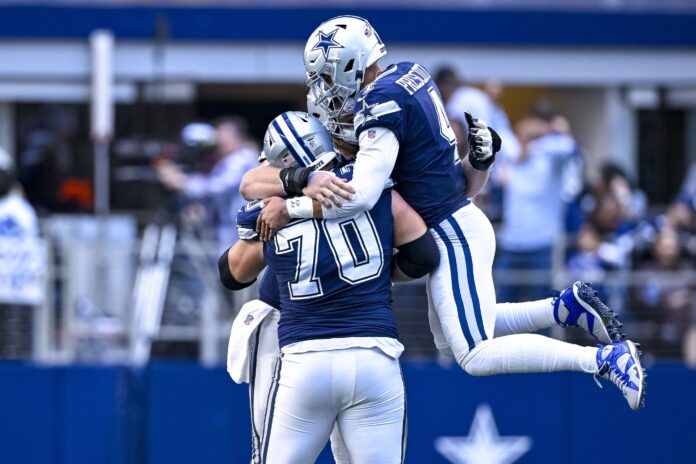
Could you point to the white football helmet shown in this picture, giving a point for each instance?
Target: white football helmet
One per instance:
(336, 56)
(342, 128)
(296, 139)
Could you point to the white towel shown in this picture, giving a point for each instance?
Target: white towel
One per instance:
(239, 348)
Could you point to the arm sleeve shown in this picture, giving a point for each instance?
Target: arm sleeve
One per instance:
(226, 277)
(419, 257)
(373, 166)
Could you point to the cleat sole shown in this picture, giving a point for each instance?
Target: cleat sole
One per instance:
(614, 328)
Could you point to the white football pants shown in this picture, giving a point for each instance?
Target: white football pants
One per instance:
(462, 308)
(264, 360)
(359, 389)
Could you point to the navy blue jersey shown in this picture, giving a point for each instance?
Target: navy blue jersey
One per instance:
(405, 100)
(268, 289)
(333, 275)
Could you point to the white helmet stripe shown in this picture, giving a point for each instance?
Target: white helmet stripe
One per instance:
(292, 142)
(301, 141)
(287, 143)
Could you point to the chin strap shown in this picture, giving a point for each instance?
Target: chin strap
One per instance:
(323, 159)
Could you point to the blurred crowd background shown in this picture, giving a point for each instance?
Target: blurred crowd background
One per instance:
(596, 179)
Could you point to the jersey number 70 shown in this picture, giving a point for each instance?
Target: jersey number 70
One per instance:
(355, 247)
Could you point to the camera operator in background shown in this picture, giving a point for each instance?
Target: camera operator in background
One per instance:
(215, 193)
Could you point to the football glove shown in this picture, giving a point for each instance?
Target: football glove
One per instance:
(484, 143)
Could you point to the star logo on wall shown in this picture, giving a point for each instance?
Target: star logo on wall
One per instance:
(483, 445)
(327, 42)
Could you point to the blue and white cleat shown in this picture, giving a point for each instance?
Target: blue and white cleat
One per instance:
(579, 306)
(620, 364)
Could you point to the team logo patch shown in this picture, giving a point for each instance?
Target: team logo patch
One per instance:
(249, 319)
(371, 134)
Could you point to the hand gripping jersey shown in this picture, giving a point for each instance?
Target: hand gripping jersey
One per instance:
(333, 275)
(405, 100)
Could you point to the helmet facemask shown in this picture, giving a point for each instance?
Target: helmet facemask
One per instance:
(337, 101)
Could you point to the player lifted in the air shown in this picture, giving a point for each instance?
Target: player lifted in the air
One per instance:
(400, 125)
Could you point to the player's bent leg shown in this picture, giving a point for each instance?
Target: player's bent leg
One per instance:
(301, 409)
(524, 353)
(264, 361)
(374, 425)
(576, 306)
(618, 362)
(461, 288)
(338, 447)
(434, 321)
(526, 317)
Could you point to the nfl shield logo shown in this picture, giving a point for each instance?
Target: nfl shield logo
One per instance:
(249, 319)
(371, 134)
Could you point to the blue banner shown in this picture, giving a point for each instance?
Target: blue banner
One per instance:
(395, 25)
(181, 413)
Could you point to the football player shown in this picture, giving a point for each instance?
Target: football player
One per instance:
(402, 131)
(336, 331)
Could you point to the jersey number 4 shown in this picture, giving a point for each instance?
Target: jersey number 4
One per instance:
(355, 247)
(446, 130)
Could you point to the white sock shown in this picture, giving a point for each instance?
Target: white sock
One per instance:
(527, 317)
(528, 353)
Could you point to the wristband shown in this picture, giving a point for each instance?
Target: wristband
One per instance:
(294, 180)
(300, 207)
(480, 165)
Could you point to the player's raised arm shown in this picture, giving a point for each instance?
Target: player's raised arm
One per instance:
(483, 144)
(374, 163)
(417, 251)
(267, 181)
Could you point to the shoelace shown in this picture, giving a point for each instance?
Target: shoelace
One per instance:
(614, 376)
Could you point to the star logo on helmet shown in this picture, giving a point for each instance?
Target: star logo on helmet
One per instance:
(327, 42)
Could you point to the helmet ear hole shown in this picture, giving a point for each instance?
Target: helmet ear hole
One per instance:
(349, 65)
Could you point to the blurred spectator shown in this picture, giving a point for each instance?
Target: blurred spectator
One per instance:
(687, 192)
(17, 217)
(587, 264)
(18, 264)
(483, 104)
(218, 190)
(536, 187)
(613, 182)
(668, 300)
